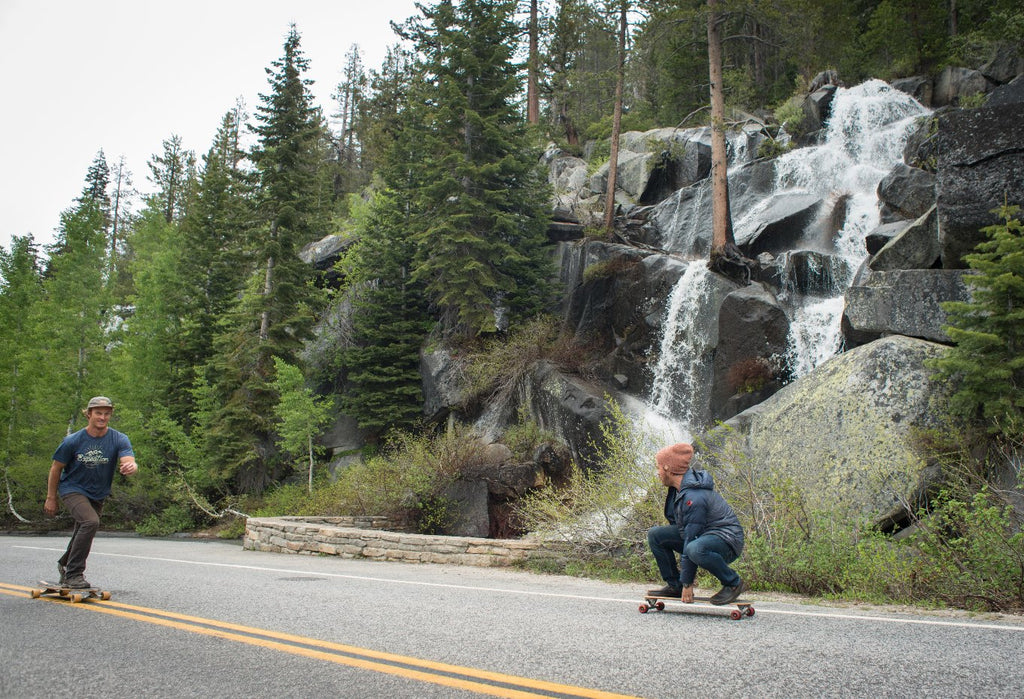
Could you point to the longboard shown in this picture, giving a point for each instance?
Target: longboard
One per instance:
(743, 607)
(74, 594)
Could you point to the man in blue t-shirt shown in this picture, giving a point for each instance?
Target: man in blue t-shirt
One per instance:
(82, 473)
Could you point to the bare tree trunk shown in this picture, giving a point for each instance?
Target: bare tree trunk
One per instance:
(721, 218)
(613, 158)
(532, 93)
(309, 447)
(268, 287)
(725, 257)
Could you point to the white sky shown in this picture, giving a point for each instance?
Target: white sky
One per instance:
(124, 75)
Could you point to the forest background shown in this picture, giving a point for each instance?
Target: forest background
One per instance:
(192, 311)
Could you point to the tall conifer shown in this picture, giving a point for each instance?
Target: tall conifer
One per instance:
(275, 314)
(482, 225)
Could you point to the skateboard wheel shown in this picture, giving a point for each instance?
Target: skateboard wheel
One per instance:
(36, 594)
(76, 598)
(660, 606)
(750, 611)
(104, 595)
(735, 614)
(644, 608)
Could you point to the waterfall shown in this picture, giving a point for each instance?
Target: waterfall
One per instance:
(864, 140)
(684, 366)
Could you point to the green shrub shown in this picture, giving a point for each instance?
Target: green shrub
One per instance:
(176, 518)
(611, 267)
(971, 553)
(605, 511)
(525, 436)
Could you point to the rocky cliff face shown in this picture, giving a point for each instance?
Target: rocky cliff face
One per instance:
(816, 364)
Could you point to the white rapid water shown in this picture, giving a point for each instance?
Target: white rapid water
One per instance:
(864, 140)
(684, 362)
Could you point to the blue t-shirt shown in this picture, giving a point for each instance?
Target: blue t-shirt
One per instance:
(90, 462)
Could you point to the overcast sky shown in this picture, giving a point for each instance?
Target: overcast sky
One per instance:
(77, 76)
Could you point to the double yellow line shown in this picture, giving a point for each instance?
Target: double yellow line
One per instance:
(467, 678)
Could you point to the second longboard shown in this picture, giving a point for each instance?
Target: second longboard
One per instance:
(742, 607)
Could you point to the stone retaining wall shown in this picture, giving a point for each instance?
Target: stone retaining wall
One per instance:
(364, 537)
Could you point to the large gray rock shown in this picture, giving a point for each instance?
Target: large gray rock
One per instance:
(781, 226)
(570, 408)
(915, 247)
(1010, 93)
(751, 326)
(443, 383)
(981, 167)
(904, 302)
(681, 223)
(632, 172)
(1006, 63)
(906, 192)
(918, 86)
(955, 83)
(843, 434)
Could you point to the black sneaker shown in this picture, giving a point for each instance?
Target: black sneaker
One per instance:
(78, 583)
(728, 595)
(63, 571)
(667, 591)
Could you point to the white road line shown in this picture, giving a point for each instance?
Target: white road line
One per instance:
(346, 576)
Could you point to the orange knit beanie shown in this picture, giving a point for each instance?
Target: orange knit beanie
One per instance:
(675, 459)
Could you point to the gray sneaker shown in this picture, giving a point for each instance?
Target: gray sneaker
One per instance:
(728, 595)
(63, 571)
(77, 583)
(667, 591)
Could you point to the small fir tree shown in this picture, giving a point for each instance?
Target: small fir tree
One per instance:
(987, 361)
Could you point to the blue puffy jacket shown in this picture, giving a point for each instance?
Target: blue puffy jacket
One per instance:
(698, 510)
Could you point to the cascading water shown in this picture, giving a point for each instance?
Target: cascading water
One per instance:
(683, 364)
(864, 140)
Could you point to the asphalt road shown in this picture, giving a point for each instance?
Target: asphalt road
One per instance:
(208, 619)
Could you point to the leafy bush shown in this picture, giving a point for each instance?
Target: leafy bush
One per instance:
(501, 365)
(174, 519)
(612, 267)
(972, 553)
(608, 510)
(525, 436)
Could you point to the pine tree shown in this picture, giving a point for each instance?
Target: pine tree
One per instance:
(21, 290)
(77, 307)
(481, 236)
(275, 314)
(378, 117)
(214, 261)
(389, 322)
(986, 364)
(170, 172)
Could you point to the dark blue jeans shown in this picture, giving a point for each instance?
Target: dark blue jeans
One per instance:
(709, 552)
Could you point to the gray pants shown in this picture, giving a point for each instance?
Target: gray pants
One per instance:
(86, 514)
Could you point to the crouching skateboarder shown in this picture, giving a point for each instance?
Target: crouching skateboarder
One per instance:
(702, 529)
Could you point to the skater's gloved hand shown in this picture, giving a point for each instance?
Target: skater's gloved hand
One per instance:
(687, 594)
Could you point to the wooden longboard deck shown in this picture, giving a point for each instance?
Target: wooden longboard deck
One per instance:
(74, 594)
(700, 604)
